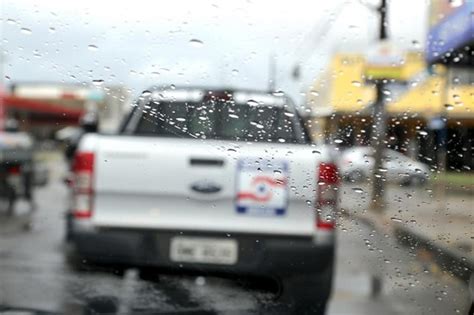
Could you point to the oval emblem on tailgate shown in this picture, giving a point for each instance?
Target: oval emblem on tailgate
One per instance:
(206, 187)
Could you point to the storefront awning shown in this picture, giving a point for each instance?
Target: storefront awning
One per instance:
(44, 108)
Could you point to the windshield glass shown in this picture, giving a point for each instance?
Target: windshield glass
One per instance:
(237, 157)
(220, 120)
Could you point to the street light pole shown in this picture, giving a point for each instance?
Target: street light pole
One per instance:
(379, 125)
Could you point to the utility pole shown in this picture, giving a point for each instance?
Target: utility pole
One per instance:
(379, 125)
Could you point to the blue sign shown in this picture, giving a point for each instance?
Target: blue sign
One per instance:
(454, 31)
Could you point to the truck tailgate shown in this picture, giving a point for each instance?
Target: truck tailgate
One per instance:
(188, 184)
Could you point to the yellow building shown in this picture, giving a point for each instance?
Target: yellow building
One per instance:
(341, 104)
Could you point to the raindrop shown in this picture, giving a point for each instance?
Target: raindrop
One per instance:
(231, 150)
(316, 152)
(338, 141)
(181, 119)
(196, 42)
(356, 83)
(281, 140)
(289, 114)
(200, 281)
(422, 133)
(11, 21)
(252, 103)
(52, 30)
(98, 82)
(26, 31)
(358, 190)
(233, 116)
(449, 107)
(394, 219)
(235, 72)
(278, 93)
(387, 261)
(146, 93)
(92, 47)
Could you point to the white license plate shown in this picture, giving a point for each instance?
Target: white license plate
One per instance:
(203, 250)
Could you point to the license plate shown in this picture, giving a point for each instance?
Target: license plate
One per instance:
(203, 250)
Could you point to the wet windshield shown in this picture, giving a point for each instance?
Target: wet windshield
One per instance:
(237, 157)
(222, 121)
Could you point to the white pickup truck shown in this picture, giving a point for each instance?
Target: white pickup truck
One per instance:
(210, 181)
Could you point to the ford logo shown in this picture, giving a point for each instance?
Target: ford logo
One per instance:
(206, 187)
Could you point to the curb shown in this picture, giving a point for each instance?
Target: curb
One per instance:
(454, 261)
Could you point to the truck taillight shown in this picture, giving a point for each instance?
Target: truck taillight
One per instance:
(83, 168)
(14, 170)
(327, 192)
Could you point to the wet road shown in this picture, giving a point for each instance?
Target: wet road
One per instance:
(34, 273)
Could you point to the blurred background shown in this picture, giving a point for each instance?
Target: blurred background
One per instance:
(395, 77)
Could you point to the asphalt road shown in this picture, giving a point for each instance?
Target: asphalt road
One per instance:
(34, 273)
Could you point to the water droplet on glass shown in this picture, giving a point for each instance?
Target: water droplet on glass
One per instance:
(358, 190)
(146, 93)
(356, 83)
(92, 47)
(423, 133)
(278, 93)
(98, 82)
(394, 219)
(235, 72)
(26, 31)
(316, 152)
(289, 114)
(338, 141)
(52, 30)
(252, 103)
(449, 107)
(196, 42)
(200, 281)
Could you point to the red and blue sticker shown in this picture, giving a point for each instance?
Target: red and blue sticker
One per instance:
(262, 187)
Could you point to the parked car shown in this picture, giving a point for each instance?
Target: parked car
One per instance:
(356, 165)
(210, 181)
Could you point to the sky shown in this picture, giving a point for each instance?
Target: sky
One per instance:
(205, 43)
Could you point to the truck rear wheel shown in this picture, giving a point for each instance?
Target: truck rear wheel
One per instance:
(307, 294)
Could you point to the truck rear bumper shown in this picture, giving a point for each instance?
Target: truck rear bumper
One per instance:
(260, 255)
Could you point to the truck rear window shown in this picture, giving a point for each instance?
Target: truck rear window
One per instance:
(220, 120)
